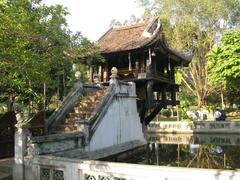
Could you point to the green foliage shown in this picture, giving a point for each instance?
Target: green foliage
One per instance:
(224, 65)
(224, 60)
(37, 48)
(166, 112)
(193, 26)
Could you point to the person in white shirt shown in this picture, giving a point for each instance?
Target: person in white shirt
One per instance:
(217, 114)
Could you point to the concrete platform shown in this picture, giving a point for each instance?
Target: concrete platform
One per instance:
(99, 154)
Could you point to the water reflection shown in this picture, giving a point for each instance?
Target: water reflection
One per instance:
(197, 151)
(193, 151)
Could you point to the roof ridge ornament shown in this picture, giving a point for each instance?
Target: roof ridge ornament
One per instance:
(152, 28)
(132, 21)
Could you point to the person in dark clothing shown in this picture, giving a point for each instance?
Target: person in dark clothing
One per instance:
(219, 115)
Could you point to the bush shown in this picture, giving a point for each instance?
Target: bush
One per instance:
(166, 113)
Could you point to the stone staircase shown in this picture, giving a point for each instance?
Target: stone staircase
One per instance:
(82, 111)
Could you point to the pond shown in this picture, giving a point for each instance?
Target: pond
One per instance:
(193, 151)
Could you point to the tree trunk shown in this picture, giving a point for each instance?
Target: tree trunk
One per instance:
(10, 103)
(201, 100)
(222, 100)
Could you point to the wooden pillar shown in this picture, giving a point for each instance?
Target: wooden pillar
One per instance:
(172, 72)
(149, 63)
(173, 96)
(91, 74)
(129, 62)
(150, 97)
(137, 68)
(142, 68)
(164, 98)
(168, 67)
(100, 73)
(105, 73)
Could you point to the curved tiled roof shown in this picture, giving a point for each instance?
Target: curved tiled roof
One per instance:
(119, 39)
(126, 38)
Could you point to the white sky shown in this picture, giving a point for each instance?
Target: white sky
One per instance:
(92, 17)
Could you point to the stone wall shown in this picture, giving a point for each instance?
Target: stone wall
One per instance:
(121, 122)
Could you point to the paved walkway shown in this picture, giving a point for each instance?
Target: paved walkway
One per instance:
(6, 166)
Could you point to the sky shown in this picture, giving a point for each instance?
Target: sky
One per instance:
(92, 17)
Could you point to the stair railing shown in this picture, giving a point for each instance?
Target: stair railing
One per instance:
(67, 105)
(101, 109)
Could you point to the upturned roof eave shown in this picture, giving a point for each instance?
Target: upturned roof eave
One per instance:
(145, 45)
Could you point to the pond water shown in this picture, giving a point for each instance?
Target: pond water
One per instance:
(193, 151)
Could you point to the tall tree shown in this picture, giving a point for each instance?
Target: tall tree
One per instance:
(224, 66)
(195, 25)
(34, 40)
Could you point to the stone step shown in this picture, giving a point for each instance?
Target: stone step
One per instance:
(87, 102)
(65, 128)
(5, 176)
(82, 111)
(84, 115)
(63, 132)
(79, 110)
(6, 170)
(70, 121)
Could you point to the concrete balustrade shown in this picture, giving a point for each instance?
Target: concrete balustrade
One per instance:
(64, 168)
(55, 143)
(230, 127)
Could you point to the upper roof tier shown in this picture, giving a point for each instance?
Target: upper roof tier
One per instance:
(132, 37)
(129, 37)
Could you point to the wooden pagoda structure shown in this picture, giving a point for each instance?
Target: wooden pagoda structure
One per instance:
(141, 55)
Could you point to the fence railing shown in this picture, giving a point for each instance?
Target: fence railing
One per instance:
(195, 126)
(56, 168)
(67, 105)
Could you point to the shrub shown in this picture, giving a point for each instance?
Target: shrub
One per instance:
(166, 113)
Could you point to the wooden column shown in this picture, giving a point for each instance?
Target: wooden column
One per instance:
(129, 62)
(173, 96)
(172, 72)
(164, 98)
(149, 63)
(168, 67)
(150, 97)
(137, 68)
(90, 73)
(100, 73)
(105, 73)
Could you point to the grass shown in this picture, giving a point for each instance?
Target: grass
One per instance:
(236, 118)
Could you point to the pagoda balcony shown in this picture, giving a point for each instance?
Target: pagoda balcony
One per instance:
(132, 75)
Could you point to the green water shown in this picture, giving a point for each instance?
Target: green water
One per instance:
(193, 151)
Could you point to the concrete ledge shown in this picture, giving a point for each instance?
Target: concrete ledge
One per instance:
(102, 153)
(56, 137)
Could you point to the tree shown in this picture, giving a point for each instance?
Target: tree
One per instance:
(194, 25)
(34, 42)
(224, 65)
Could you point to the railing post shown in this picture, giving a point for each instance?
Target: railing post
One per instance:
(20, 147)
(114, 76)
(83, 126)
(20, 139)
